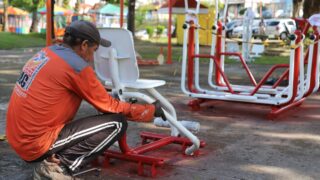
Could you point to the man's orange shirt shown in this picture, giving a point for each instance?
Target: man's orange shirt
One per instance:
(47, 96)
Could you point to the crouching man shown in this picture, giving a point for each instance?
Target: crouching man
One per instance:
(47, 96)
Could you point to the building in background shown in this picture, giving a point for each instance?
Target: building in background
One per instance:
(270, 8)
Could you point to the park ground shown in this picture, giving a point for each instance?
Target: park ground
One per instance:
(241, 142)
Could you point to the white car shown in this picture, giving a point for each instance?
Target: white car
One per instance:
(238, 31)
(280, 28)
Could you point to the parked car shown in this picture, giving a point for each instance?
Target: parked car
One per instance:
(231, 25)
(280, 28)
(238, 31)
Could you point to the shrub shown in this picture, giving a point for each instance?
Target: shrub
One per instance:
(150, 31)
(160, 30)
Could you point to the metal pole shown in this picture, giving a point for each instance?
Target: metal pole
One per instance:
(121, 13)
(169, 60)
(49, 23)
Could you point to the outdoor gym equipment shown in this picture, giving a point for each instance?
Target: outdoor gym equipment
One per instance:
(279, 98)
(117, 67)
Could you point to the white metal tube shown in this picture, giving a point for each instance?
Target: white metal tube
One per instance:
(184, 61)
(168, 106)
(216, 19)
(196, 142)
(198, 7)
(196, 62)
(138, 95)
(291, 76)
(301, 85)
(308, 81)
(115, 72)
(186, 6)
(212, 52)
(318, 71)
(226, 2)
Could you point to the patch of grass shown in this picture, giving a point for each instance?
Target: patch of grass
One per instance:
(11, 40)
(150, 49)
(272, 60)
(267, 60)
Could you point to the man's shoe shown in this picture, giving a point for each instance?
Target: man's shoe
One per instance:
(50, 171)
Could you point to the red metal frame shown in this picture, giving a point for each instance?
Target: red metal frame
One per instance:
(121, 13)
(252, 79)
(268, 74)
(219, 74)
(49, 24)
(190, 59)
(169, 56)
(219, 68)
(218, 54)
(314, 63)
(136, 154)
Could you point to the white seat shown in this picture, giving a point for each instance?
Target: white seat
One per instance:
(125, 55)
(117, 67)
(257, 50)
(140, 84)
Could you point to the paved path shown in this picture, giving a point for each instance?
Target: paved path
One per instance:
(241, 142)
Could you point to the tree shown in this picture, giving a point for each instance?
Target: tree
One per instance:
(5, 15)
(31, 6)
(131, 13)
(77, 6)
(311, 7)
(297, 4)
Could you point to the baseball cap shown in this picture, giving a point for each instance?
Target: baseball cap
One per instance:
(87, 31)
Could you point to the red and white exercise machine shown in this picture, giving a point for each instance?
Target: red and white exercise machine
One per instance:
(117, 67)
(301, 83)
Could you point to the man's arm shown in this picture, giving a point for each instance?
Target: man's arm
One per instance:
(86, 85)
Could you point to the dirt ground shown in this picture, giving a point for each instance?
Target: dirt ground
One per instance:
(241, 142)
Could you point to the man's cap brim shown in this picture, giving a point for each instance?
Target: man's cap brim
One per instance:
(105, 43)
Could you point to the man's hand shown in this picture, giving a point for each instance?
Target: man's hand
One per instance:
(158, 110)
(53, 159)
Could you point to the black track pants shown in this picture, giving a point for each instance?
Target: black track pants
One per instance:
(83, 140)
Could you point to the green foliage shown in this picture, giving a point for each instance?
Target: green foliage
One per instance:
(242, 11)
(140, 16)
(37, 35)
(150, 31)
(159, 30)
(221, 5)
(10, 40)
(117, 2)
(66, 4)
(28, 5)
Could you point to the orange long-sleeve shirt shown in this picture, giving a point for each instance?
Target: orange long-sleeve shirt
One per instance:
(47, 96)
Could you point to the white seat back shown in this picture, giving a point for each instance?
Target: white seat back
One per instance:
(122, 42)
(233, 47)
(257, 49)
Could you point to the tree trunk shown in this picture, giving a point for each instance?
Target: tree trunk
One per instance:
(77, 7)
(35, 20)
(5, 16)
(130, 18)
(297, 4)
(311, 7)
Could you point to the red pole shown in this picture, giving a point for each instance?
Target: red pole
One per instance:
(121, 13)
(297, 61)
(169, 60)
(190, 57)
(218, 54)
(49, 23)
